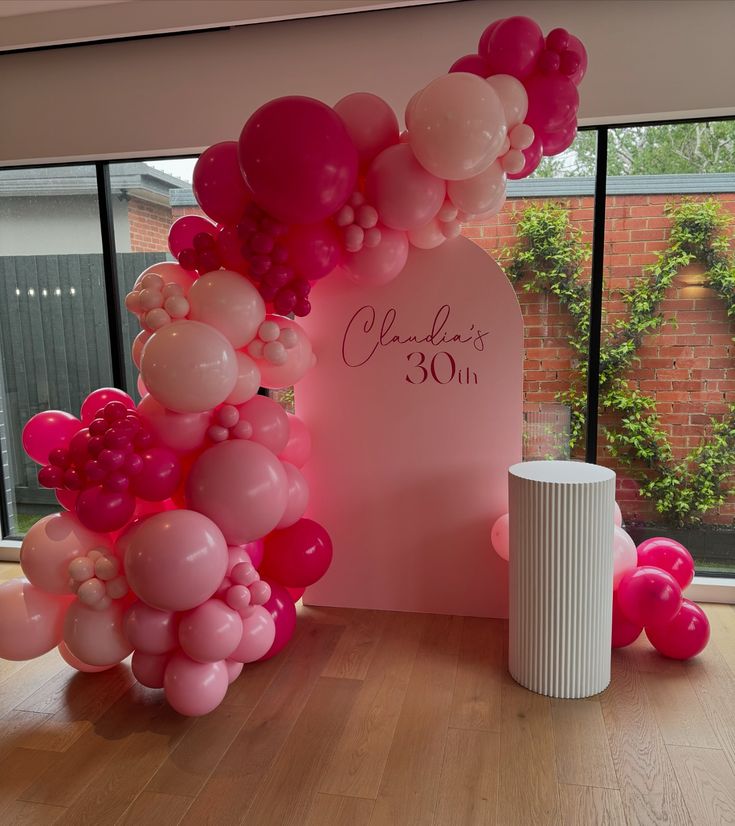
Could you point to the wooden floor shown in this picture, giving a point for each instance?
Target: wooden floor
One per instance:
(370, 719)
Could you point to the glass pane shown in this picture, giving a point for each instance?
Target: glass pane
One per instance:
(147, 197)
(542, 238)
(54, 337)
(667, 400)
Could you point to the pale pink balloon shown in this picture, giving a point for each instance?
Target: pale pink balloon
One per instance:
(481, 194)
(457, 126)
(500, 536)
(75, 662)
(182, 432)
(513, 97)
(210, 632)
(618, 515)
(31, 620)
(298, 447)
(140, 386)
(241, 486)
(248, 380)
(370, 122)
(230, 303)
(96, 637)
(149, 630)
(404, 193)
(380, 264)
(193, 688)
(625, 555)
(189, 366)
(252, 554)
(170, 273)
(176, 560)
(298, 496)
(408, 112)
(149, 669)
(258, 634)
(427, 237)
(268, 420)
(299, 361)
(234, 670)
(51, 544)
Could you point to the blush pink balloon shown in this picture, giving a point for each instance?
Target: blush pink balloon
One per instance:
(298, 159)
(193, 688)
(138, 344)
(228, 302)
(314, 249)
(405, 195)
(553, 101)
(624, 632)
(649, 596)
(427, 237)
(617, 515)
(380, 264)
(500, 536)
(51, 544)
(102, 510)
(170, 273)
(298, 496)
(473, 64)
(96, 637)
(241, 486)
(513, 98)
(300, 358)
(297, 556)
(149, 630)
(234, 669)
(298, 447)
(181, 432)
(75, 662)
(481, 194)
(248, 380)
(182, 232)
(218, 183)
(31, 620)
(683, 637)
(669, 555)
(370, 122)
(99, 398)
(533, 155)
(514, 45)
(175, 560)
(269, 422)
(46, 431)
(281, 607)
(210, 632)
(229, 247)
(160, 475)
(258, 635)
(189, 367)
(625, 557)
(149, 669)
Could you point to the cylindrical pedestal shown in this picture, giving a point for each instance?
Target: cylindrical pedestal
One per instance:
(561, 569)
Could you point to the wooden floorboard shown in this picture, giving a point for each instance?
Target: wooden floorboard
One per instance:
(376, 719)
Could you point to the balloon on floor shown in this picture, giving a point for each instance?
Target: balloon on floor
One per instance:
(183, 538)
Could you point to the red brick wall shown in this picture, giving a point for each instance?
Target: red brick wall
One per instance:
(688, 369)
(149, 225)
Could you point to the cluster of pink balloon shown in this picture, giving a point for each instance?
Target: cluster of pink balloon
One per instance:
(647, 591)
(308, 189)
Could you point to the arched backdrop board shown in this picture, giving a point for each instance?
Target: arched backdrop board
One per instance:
(409, 464)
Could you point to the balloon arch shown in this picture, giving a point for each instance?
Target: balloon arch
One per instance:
(183, 539)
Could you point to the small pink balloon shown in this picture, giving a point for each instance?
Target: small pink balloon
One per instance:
(181, 432)
(258, 635)
(482, 46)
(370, 122)
(298, 447)
(500, 536)
(160, 475)
(314, 249)
(281, 607)
(683, 637)
(31, 620)
(234, 669)
(514, 45)
(67, 498)
(575, 45)
(248, 380)
(96, 636)
(237, 554)
(75, 662)
(617, 515)
(229, 248)
(473, 64)
(193, 688)
(649, 596)
(268, 421)
(102, 510)
(149, 630)
(298, 496)
(210, 632)
(299, 360)
(46, 431)
(624, 632)
(99, 398)
(382, 263)
(297, 556)
(218, 183)
(668, 555)
(182, 232)
(149, 669)
(625, 557)
(533, 155)
(170, 273)
(228, 302)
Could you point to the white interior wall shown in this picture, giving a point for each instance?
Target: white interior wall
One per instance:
(179, 94)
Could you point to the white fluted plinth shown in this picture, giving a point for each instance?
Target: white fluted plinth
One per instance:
(561, 568)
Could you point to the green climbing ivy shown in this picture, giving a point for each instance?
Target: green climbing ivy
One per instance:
(549, 256)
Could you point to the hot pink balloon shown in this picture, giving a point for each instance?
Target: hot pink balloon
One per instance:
(625, 557)
(149, 630)
(96, 637)
(670, 556)
(241, 486)
(258, 635)
(575, 45)
(160, 475)
(229, 248)
(500, 536)
(210, 632)
(149, 669)
(31, 620)
(99, 398)
(561, 140)
(175, 560)
(181, 432)
(370, 122)
(514, 45)
(649, 596)
(533, 155)
(553, 101)
(102, 510)
(683, 637)
(189, 367)
(296, 593)
(380, 264)
(297, 556)
(624, 632)
(473, 64)
(300, 358)
(298, 496)
(482, 46)
(46, 431)
(170, 273)
(218, 183)
(193, 688)
(269, 422)
(67, 498)
(298, 159)
(228, 302)
(183, 230)
(248, 380)
(51, 544)
(281, 607)
(298, 447)
(404, 193)
(314, 249)
(75, 662)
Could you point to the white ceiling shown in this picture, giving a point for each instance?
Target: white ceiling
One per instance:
(13, 8)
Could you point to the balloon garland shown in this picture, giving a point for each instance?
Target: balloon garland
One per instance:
(183, 540)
